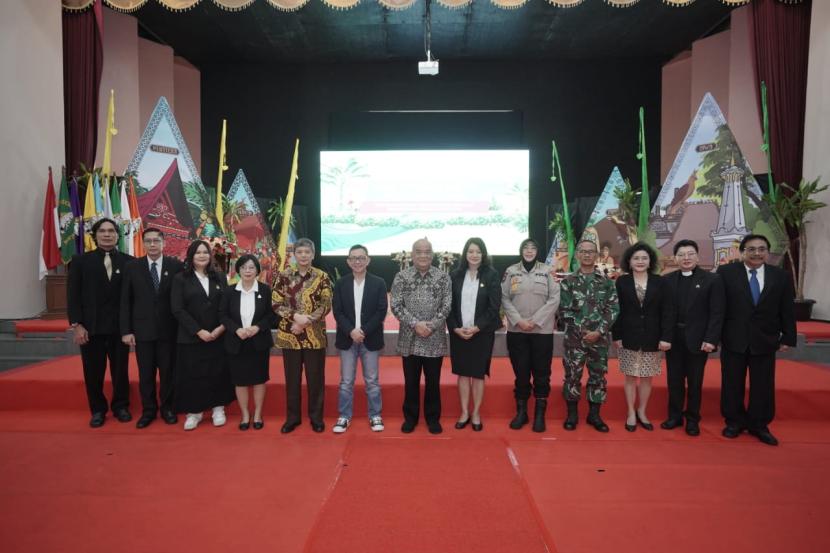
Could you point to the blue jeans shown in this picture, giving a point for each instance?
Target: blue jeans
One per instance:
(348, 368)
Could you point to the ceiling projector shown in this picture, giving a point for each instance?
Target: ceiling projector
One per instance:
(429, 67)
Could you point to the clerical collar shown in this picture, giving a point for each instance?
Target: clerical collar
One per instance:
(687, 273)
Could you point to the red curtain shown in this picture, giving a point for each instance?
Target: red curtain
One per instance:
(83, 61)
(781, 47)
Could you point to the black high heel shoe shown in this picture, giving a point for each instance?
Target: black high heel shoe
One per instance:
(478, 426)
(258, 425)
(244, 425)
(630, 427)
(646, 425)
(461, 425)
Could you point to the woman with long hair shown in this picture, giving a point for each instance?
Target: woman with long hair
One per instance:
(642, 330)
(472, 322)
(202, 378)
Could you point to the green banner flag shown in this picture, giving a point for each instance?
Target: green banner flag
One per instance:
(66, 220)
(645, 208)
(556, 167)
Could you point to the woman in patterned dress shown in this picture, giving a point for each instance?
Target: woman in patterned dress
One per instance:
(642, 330)
(301, 300)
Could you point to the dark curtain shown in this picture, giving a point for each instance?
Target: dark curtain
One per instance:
(781, 47)
(83, 61)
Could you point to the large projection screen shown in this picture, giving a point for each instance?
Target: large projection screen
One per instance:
(386, 200)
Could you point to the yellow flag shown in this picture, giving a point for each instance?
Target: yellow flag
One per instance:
(220, 211)
(289, 204)
(90, 213)
(106, 169)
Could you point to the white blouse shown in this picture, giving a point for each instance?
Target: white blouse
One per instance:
(469, 293)
(247, 303)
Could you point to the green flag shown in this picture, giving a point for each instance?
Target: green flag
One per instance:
(115, 201)
(765, 147)
(66, 220)
(569, 231)
(645, 208)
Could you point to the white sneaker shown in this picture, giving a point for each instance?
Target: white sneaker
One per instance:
(376, 423)
(192, 421)
(341, 425)
(219, 418)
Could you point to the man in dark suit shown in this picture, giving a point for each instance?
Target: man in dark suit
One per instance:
(359, 306)
(148, 325)
(93, 299)
(759, 321)
(698, 305)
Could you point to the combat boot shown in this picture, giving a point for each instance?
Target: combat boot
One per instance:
(521, 415)
(594, 419)
(539, 415)
(573, 416)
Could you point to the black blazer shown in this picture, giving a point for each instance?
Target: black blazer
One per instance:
(92, 299)
(373, 311)
(264, 318)
(144, 311)
(704, 307)
(762, 328)
(642, 327)
(488, 300)
(194, 309)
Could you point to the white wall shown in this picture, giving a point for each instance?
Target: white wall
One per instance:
(31, 139)
(817, 158)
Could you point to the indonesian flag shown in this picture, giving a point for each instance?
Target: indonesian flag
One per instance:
(50, 254)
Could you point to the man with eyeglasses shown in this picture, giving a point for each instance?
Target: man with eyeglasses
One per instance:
(148, 325)
(759, 321)
(588, 306)
(421, 301)
(359, 307)
(699, 304)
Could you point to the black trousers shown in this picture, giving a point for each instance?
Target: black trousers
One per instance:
(161, 355)
(530, 355)
(94, 355)
(761, 409)
(684, 374)
(314, 361)
(412, 367)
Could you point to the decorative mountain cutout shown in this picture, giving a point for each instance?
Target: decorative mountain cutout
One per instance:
(710, 194)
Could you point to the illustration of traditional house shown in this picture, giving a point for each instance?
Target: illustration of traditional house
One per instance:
(165, 207)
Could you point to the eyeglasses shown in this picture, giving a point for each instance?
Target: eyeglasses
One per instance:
(586, 252)
(358, 259)
(761, 249)
(153, 240)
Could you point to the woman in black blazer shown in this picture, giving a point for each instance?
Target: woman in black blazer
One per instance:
(643, 328)
(202, 377)
(472, 322)
(246, 314)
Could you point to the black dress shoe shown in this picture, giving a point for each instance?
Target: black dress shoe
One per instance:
(478, 427)
(97, 420)
(434, 427)
(144, 421)
(670, 424)
(407, 427)
(765, 436)
(731, 432)
(169, 417)
(123, 415)
(244, 425)
(646, 425)
(461, 425)
(258, 425)
(289, 427)
(318, 426)
(692, 428)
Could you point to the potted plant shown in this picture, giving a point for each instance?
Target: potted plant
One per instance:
(791, 207)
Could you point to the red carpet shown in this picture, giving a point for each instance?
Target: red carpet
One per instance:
(69, 488)
(814, 330)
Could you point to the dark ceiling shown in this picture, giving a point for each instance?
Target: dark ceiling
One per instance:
(207, 34)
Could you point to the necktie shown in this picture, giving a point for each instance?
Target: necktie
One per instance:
(154, 273)
(108, 265)
(754, 286)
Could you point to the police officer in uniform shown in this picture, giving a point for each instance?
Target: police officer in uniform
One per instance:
(530, 297)
(588, 308)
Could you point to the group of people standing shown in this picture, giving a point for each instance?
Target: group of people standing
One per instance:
(210, 342)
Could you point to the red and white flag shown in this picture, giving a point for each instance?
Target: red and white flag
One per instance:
(50, 253)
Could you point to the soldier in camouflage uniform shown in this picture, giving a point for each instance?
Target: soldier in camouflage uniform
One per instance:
(588, 306)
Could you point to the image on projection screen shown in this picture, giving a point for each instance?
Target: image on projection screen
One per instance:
(386, 200)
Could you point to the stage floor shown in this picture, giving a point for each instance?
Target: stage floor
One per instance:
(67, 487)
